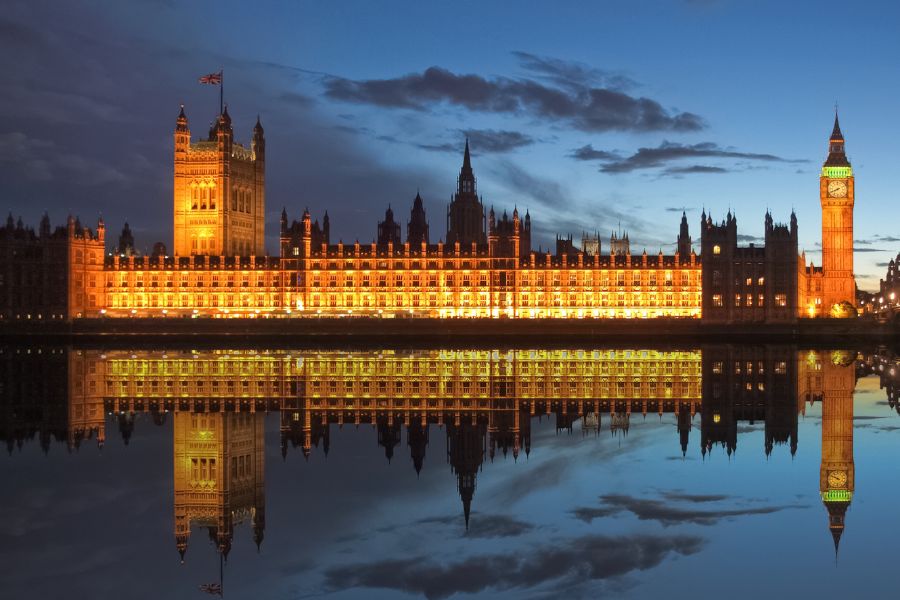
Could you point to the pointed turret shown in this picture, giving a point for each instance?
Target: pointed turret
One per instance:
(181, 124)
(258, 140)
(836, 131)
(837, 156)
(417, 226)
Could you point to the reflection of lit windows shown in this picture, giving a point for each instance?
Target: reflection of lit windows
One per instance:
(781, 299)
(717, 300)
(717, 367)
(780, 367)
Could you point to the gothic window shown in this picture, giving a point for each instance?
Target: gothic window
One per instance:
(717, 249)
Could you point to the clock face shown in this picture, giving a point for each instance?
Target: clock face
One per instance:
(837, 479)
(837, 189)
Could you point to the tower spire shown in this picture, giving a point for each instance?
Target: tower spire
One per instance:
(836, 132)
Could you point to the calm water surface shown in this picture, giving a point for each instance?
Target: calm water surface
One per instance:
(455, 472)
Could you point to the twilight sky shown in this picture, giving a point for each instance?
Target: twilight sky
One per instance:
(587, 114)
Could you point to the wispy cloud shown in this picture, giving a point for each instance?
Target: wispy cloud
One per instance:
(667, 152)
(693, 170)
(588, 152)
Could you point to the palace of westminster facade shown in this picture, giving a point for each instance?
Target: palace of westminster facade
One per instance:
(487, 266)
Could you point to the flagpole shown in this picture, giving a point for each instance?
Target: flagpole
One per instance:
(222, 92)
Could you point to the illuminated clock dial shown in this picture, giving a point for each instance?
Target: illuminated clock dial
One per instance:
(837, 479)
(837, 189)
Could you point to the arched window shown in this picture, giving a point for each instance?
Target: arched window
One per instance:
(212, 198)
(195, 196)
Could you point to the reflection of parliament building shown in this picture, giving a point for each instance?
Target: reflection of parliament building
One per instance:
(482, 402)
(485, 267)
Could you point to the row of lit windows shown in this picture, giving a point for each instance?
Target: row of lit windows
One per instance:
(747, 300)
(750, 367)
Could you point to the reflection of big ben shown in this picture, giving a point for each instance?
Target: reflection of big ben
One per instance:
(836, 476)
(219, 475)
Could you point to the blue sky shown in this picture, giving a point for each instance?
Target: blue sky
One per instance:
(364, 103)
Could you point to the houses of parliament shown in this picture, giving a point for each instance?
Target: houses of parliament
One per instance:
(485, 267)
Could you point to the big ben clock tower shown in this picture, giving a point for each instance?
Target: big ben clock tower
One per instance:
(836, 191)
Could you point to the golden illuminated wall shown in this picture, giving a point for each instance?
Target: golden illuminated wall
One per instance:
(837, 240)
(472, 285)
(146, 288)
(360, 281)
(219, 193)
(219, 473)
(86, 251)
(810, 288)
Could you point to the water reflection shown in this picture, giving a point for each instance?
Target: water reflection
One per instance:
(473, 405)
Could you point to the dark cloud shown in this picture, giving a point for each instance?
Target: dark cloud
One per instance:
(666, 152)
(588, 152)
(484, 141)
(887, 238)
(589, 513)
(593, 558)
(743, 237)
(570, 101)
(678, 209)
(882, 264)
(699, 498)
(666, 514)
(694, 170)
(871, 250)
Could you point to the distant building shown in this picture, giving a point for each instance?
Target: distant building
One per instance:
(753, 283)
(50, 274)
(619, 244)
(125, 247)
(389, 230)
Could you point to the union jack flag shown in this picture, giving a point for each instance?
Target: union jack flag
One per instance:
(211, 588)
(212, 78)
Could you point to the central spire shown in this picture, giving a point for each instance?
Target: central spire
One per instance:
(466, 176)
(467, 161)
